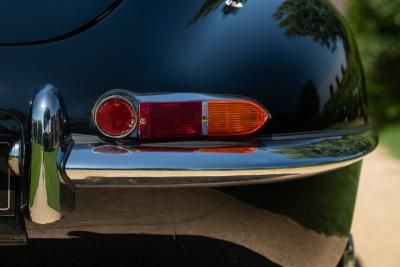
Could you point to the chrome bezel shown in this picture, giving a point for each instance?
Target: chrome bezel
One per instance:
(96, 108)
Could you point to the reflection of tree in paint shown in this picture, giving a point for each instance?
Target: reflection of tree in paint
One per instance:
(331, 148)
(313, 19)
(309, 18)
(205, 9)
(298, 17)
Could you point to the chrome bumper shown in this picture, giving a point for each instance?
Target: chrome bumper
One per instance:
(59, 162)
(185, 164)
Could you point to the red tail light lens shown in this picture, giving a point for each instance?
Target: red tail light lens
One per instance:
(170, 120)
(115, 117)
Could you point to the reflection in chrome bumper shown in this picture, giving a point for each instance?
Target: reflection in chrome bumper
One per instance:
(188, 164)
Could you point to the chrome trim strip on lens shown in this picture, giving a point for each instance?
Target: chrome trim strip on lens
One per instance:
(99, 103)
(204, 119)
(268, 161)
(49, 143)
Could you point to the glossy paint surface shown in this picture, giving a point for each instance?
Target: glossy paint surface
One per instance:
(305, 71)
(25, 21)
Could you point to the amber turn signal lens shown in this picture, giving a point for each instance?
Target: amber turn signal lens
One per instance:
(235, 117)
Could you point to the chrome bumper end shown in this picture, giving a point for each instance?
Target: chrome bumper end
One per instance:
(50, 143)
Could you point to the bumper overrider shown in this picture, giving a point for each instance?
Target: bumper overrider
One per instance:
(61, 161)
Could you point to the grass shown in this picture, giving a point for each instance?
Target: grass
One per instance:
(52, 179)
(390, 138)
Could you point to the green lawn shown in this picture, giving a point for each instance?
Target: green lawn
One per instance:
(52, 178)
(390, 138)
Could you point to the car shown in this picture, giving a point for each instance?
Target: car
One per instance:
(201, 132)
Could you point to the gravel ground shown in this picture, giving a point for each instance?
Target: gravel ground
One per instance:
(377, 217)
(340, 4)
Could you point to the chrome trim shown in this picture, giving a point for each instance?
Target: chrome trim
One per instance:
(269, 161)
(349, 258)
(100, 102)
(15, 160)
(204, 118)
(49, 145)
(136, 98)
(233, 3)
(8, 191)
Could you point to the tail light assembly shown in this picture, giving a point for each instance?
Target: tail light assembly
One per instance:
(146, 119)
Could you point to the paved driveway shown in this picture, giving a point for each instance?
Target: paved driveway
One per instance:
(339, 3)
(376, 225)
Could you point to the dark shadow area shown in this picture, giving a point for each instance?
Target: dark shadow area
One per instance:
(323, 203)
(309, 106)
(90, 249)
